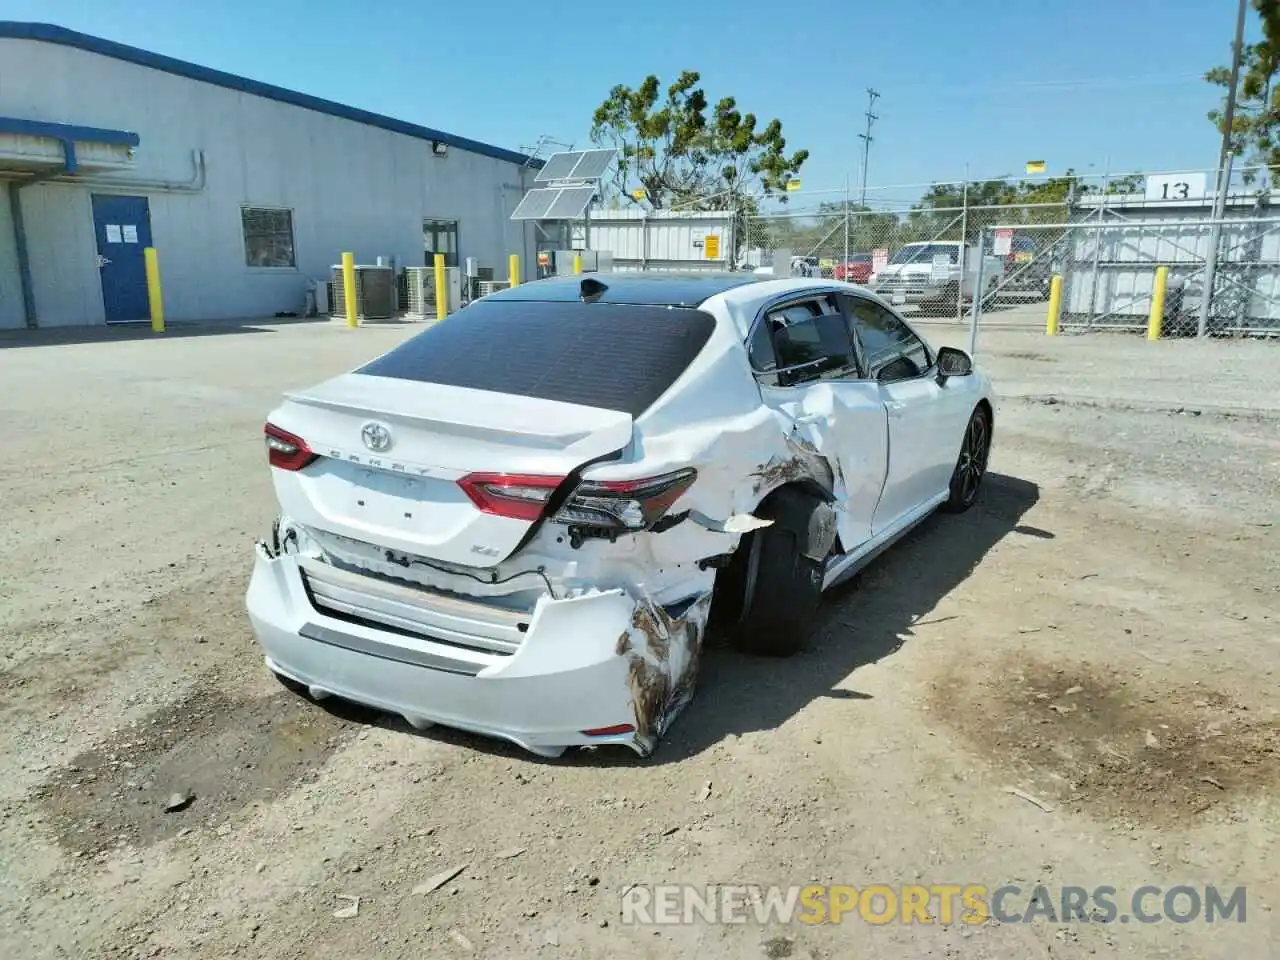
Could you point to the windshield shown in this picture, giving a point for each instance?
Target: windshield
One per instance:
(925, 252)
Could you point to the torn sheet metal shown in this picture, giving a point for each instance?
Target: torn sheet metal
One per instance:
(663, 654)
(738, 523)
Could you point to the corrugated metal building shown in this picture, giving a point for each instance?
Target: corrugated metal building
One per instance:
(248, 191)
(660, 239)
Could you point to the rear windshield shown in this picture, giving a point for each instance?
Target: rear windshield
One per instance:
(613, 356)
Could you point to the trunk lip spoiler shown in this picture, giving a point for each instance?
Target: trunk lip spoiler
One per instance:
(456, 413)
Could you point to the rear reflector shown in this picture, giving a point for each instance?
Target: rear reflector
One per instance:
(515, 495)
(616, 730)
(285, 450)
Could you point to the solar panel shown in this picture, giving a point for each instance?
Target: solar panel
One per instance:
(535, 204)
(570, 204)
(558, 166)
(592, 165)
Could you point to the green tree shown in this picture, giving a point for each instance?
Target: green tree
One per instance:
(867, 228)
(1255, 126)
(681, 151)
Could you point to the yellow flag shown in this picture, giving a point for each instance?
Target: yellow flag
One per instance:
(793, 185)
(1035, 166)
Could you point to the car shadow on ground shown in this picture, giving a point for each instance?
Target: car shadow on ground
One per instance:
(103, 333)
(861, 622)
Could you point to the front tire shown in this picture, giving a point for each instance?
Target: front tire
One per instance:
(779, 590)
(971, 465)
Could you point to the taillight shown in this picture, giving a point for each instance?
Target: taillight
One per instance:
(515, 495)
(285, 450)
(620, 505)
(624, 504)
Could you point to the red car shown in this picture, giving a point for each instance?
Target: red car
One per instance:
(857, 269)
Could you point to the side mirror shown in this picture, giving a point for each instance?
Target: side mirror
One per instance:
(953, 362)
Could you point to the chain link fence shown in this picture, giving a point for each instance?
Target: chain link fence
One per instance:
(922, 259)
(1109, 264)
(1105, 240)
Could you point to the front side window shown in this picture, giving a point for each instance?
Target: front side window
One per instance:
(268, 236)
(890, 350)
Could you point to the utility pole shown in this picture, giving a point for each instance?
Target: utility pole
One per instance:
(1229, 114)
(872, 97)
(1224, 180)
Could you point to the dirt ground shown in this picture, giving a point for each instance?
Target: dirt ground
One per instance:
(1101, 635)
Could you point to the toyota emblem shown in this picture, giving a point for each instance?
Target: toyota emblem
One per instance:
(375, 436)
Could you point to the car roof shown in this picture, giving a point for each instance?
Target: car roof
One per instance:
(636, 288)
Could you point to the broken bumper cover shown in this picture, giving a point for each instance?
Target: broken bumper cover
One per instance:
(594, 669)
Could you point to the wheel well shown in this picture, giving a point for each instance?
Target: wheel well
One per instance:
(730, 584)
(804, 485)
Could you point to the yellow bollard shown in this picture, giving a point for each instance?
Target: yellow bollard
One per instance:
(513, 269)
(442, 292)
(349, 288)
(1158, 289)
(577, 263)
(1055, 306)
(154, 297)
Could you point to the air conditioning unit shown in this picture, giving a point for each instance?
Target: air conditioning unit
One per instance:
(420, 283)
(375, 293)
(486, 287)
(420, 290)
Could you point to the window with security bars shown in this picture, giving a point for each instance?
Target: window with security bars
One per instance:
(440, 236)
(268, 237)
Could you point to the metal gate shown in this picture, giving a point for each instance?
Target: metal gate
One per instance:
(1108, 263)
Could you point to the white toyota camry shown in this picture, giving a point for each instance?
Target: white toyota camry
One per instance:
(521, 521)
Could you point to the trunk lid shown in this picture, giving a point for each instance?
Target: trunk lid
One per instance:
(391, 452)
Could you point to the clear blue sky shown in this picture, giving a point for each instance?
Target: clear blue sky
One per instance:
(988, 83)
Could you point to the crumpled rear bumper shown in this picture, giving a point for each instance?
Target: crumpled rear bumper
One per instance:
(605, 667)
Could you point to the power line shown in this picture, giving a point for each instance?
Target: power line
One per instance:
(1150, 79)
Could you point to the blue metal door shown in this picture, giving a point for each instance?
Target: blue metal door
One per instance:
(123, 228)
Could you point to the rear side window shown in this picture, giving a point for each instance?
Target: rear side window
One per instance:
(612, 356)
(803, 341)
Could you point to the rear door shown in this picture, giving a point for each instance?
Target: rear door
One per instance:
(802, 355)
(411, 447)
(926, 419)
